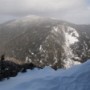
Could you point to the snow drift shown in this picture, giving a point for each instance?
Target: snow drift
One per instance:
(75, 78)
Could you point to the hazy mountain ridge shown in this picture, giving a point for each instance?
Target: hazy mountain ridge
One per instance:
(45, 41)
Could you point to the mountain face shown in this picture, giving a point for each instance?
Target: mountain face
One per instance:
(45, 41)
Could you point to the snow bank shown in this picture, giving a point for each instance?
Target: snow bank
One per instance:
(75, 78)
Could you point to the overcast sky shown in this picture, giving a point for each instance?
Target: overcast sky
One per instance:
(76, 11)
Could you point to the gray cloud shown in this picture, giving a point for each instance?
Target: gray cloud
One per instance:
(76, 11)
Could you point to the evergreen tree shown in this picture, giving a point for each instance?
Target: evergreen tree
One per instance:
(2, 61)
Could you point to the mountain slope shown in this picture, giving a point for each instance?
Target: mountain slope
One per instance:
(45, 41)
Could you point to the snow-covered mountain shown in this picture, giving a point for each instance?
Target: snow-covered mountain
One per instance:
(45, 41)
(75, 78)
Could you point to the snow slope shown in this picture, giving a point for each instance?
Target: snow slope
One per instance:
(75, 78)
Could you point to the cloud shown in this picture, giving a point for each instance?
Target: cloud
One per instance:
(76, 11)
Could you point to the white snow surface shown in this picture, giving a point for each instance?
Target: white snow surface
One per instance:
(71, 37)
(75, 78)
